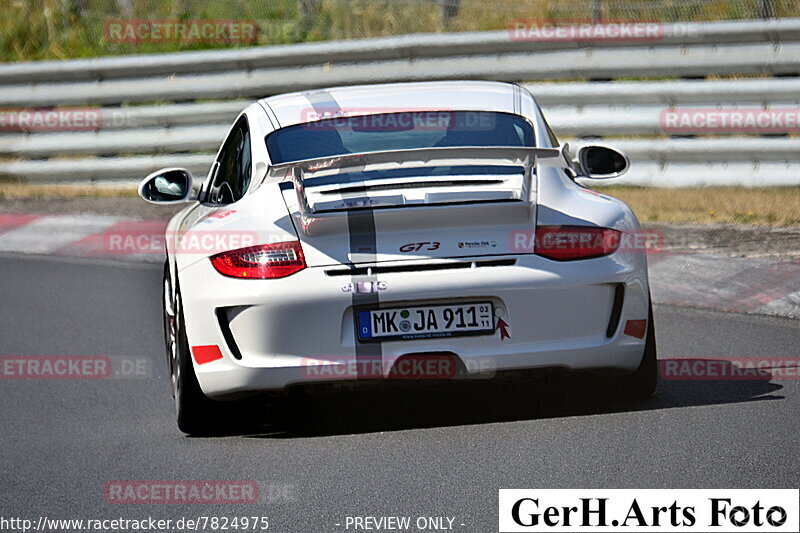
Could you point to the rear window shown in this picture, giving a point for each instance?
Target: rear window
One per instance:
(397, 131)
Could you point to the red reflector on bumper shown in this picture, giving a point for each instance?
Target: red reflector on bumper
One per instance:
(636, 328)
(206, 354)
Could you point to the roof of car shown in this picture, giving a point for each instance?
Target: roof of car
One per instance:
(308, 106)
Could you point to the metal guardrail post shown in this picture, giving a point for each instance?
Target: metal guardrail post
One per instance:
(766, 9)
(449, 9)
(597, 11)
(307, 9)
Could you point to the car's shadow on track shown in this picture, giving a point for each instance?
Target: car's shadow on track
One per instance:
(473, 402)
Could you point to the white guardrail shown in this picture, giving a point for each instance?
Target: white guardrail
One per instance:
(174, 109)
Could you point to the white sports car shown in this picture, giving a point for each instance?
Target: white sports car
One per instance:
(417, 230)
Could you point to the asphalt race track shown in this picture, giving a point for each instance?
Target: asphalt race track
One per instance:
(433, 454)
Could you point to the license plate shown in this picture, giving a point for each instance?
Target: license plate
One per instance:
(426, 322)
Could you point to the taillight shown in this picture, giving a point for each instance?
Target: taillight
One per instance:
(568, 243)
(266, 261)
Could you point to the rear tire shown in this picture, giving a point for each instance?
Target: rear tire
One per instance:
(168, 307)
(642, 383)
(195, 413)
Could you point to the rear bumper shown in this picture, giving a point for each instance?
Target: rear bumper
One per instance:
(299, 330)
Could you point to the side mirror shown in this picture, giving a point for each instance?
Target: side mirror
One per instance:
(600, 162)
(168, 186)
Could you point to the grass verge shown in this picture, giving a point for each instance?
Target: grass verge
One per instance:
(772, 206)
(22, 191)
(61, 29)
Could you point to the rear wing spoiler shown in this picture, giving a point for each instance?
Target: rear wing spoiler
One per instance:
(299, 171)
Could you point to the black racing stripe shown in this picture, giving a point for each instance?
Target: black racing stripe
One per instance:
(361, 227)
(362, 237)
